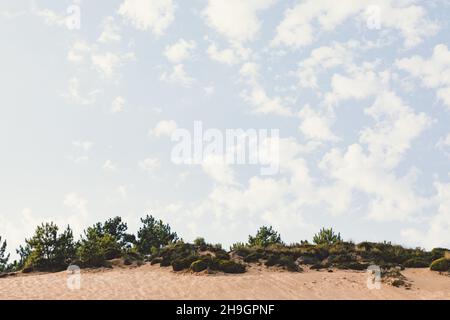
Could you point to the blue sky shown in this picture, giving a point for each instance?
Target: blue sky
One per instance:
(359, 92)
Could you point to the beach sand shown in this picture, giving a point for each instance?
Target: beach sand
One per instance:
(152, 282)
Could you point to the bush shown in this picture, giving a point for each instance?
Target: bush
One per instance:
(327, 237)
(441, 264)
(198, 266)
(156, 260)
(264, 237)
(97, 247)
(3, 256)
(253, 257)
(154, 234)
(288, 263)
(47, 250)
(229, 266)
(185, 263)
(416, 263)
(272, 260)
(199, 242)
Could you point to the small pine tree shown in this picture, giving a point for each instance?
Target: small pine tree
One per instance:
(3, 256)
(154, 234)
(327, 236)
(264, 237)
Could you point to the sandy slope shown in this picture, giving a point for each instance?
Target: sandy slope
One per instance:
(153, 282)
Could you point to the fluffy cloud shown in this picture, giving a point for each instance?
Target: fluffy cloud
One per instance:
(149, 164)
(235, 19)
(307, 19)
(178, 76)
(438, 224)
(118, 105)
(315, 125)
(216, 167)
(179, 51)
(257, 96)
(164, 128)
(433, 72)
(396, 126)
(153, 15)
(110, 31)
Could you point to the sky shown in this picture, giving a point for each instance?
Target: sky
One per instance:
(92, 92)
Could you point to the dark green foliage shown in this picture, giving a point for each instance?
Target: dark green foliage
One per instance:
(156, 260)
(327, 236)
(353, 266)
(96, 247)
(288, 263)
(200, 242)
(264, 237)
(154, 234)
(199, 266)
(416, 263)
(253, 257)
(3, 256)
(437, 253)
(184, 263)
(229, 266)
(441, 264)
(117, 228)
(47, 250)
(273, 260)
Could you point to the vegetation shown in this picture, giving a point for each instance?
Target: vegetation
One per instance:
(47, 250)
(441, 264)
(327, 236)
(108, 243)
(264, 237)
(3, 256)
(154, 235)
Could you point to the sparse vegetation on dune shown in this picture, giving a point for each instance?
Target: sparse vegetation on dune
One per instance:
(108, 244)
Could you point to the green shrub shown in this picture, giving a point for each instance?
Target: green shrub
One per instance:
(3, 256)
(441, 264)
(288, 263)
(264, 237)
(416, 263)
(49, 251)
(198, 266)
(97, 247)
(272, 260)
(185, 263)
(156, 260)
(253, 257)
(327, 237)
(229, 266)
(154, 234)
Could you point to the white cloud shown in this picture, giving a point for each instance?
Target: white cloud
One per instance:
(218, 170)
(74, 93)
(433, 72)
(107, 63)
(307, 19)
(315, 125)
(164, 128)
(179, 51)
(149, 165)
(118, 105)
(323, 58)
(439, 223)
(178, 76)
(110, 32)
(76, 202)
(153, 15)
(396, 126)
(230, 56)
(257, 96)
(236, 19)
(109, 166)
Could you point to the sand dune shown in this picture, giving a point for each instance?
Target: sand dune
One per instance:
(153, 282)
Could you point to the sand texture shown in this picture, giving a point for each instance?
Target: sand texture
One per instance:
(153, 282)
